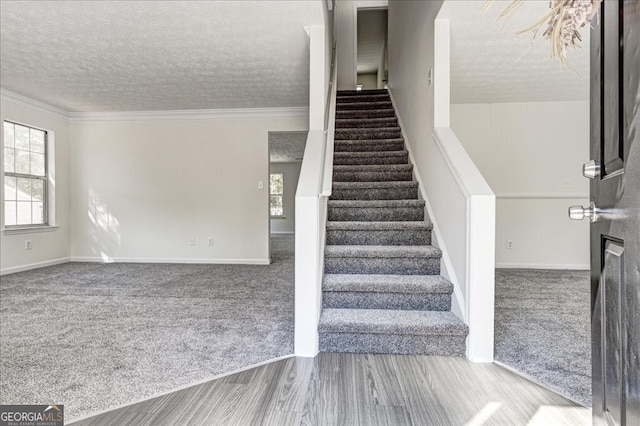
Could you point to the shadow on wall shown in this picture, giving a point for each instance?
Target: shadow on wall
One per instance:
(104, 229)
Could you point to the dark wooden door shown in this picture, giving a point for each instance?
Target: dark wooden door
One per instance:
(615, 213)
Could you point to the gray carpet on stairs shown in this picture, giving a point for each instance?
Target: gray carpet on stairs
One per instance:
(377, 238)
(543, 328)
(95, 336)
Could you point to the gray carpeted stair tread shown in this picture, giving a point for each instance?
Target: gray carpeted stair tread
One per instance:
(370, 157)
(384, 233)
(359, 123)
(372, 167)
(409, 226)
(369, 154)
(367, 133)
(373, 204)
(365, 176)
(374, 185)
(377, 283)
(366, 113)
(383, 97)
(381, 190)
(389, 252)
(364, 104)
(369, 145)
(385, 321)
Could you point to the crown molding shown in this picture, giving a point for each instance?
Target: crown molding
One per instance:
(32, 103)
(191, 114)
(182, 115)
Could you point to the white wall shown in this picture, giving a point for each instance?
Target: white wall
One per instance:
(368, 81)
(345, 31)
(291, 173)
(531, 155)
(50, 246)
(411, 38)
(143, 188)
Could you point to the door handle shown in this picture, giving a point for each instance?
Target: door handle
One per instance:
(591, 169)
(579, 212)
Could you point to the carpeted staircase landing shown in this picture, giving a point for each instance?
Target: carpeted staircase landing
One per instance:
(382, 289)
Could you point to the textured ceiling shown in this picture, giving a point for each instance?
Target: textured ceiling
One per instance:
(286, 146)
(158, 55)
(372, 32)
(490, 63)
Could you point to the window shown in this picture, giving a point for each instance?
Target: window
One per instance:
(25, 175)
(276, 188)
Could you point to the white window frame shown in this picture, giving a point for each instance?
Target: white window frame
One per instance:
(276, 216)
(49, 187)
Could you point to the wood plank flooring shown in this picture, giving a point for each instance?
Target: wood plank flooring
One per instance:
(352, 389)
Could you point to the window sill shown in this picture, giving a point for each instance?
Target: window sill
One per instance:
(29, 230)
(278, 217)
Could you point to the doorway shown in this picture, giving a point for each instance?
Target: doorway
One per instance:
(371, 48)
(286, 150)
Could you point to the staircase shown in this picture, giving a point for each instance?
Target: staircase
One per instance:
(382, 289)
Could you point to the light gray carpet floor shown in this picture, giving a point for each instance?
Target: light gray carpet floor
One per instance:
(95, 336)
(543, 328)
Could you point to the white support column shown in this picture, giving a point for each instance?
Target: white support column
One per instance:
(317, 71)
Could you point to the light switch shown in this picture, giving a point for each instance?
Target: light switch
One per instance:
(260, 184)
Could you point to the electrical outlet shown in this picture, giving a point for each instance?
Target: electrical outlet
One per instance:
(27, 244)
(192, 241)
(567, 183)
(260, 184)
(210, 241)
(509, 244)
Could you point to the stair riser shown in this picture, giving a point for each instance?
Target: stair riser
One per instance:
(359, 134)
(382, 265)
(371, 113)
(363, 105)
(396, 237)
(392, 344)
(356, 160)
(406, 302)
(384, 214)
(360, 98)
(375, 194)
(372, 176)
(366, 123)
(368, 146)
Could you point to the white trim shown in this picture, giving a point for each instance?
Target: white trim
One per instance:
(189, 385)
(206, 261)
(190, 114)
(32, 103)
(37, 265)
(29, 230)
(363, 4)
(573, 266)
(542, 196)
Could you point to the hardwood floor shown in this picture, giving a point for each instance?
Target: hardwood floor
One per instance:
(351, 389)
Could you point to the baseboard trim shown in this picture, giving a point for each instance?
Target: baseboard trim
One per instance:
(577, 267)
(196, 383)
(37, 265)
(282, 233)
(91, 259)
